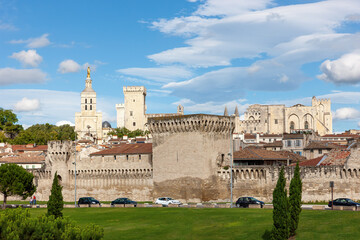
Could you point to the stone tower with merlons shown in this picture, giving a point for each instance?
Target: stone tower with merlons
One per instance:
(88, 122)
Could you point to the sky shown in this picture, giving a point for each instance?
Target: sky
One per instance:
(203, 54)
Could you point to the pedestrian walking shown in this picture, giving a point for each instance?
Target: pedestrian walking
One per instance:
(34, 200)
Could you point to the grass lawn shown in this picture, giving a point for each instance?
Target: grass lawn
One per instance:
(183, 223)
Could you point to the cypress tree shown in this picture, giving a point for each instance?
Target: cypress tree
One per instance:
(55, 204)
(281, 206)
(295, 200)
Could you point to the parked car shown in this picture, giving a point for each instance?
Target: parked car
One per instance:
(246, 201)
(88, 200)
(124, 201)
(167, 201)
(344, 202)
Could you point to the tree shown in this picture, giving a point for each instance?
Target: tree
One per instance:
(281, 206)
(55, 204)
(295, 200)
(18, 224)
(120, 132)
(7, 116)
(15, 180)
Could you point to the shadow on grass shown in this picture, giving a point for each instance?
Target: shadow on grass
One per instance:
(266, 235)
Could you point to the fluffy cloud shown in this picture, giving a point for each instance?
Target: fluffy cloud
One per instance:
(272, 42)
(69, 66)
(27, 105)
(226, 83)
(64, 122)
(56, 106)
(39, 42)
(28, 58)
(160, 74)
(346, 113)
(10, 76)
(346, 69)
(213, 107)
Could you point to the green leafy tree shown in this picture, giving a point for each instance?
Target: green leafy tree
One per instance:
(295, 192)
(55, 204)
(18, 224)
(15, 180)
(120, 132)
(12, 129)
(42, 133)
(280, 228)
(7, 116)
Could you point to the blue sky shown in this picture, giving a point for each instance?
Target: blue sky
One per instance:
(204, 55)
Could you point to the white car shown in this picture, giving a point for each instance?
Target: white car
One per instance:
(166, 201)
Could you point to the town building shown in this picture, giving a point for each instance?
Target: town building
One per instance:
(278, 119)
(88, 122)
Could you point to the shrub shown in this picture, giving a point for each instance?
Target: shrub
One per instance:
(17, 224)
(295, 200)
(55, 204)
(281, 206)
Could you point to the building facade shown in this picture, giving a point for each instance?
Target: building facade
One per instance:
(278, 119)
(88, 122)
(132, 113)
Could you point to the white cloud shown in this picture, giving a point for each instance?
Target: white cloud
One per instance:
(56, 106)
(10, 76)
(28, 58)
(69, 66)
(212, 107)
(346, 113)
(27, 105)
(39, 42)
(275, 41)
(160, 74)
(64, 122)
(346, 69)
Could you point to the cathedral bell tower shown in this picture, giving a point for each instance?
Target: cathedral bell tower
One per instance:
(88, 122)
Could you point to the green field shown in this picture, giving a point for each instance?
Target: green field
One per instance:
(184, 223)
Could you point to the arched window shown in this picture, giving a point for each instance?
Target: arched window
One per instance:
(85, 107)
(90, 100)
(90, 107)
(306, 125)
(292, 125)
(85, 100)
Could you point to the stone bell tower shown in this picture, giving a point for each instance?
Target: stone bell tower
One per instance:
(88, 122)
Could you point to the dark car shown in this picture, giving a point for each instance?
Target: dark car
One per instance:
(246, 201)
(344, 202)
(88, 200)
(124, 201)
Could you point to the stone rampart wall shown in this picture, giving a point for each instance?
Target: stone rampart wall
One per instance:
(261, 181)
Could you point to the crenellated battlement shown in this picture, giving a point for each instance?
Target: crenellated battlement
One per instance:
(271, 173)
(140, 89)
(191, 123)
(59, 151)
(323, 101)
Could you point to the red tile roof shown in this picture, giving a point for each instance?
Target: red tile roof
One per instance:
(29, 147)
(335, 157)
(251, 153)
(274, 144)
(321, 145)
(24, 158)
(136, 148)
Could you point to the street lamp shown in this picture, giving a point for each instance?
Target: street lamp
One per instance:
(231, 167)
(75, 170)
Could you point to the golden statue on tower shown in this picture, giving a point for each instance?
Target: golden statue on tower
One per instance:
(88, 72)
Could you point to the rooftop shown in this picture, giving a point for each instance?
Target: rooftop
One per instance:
(136, 148)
